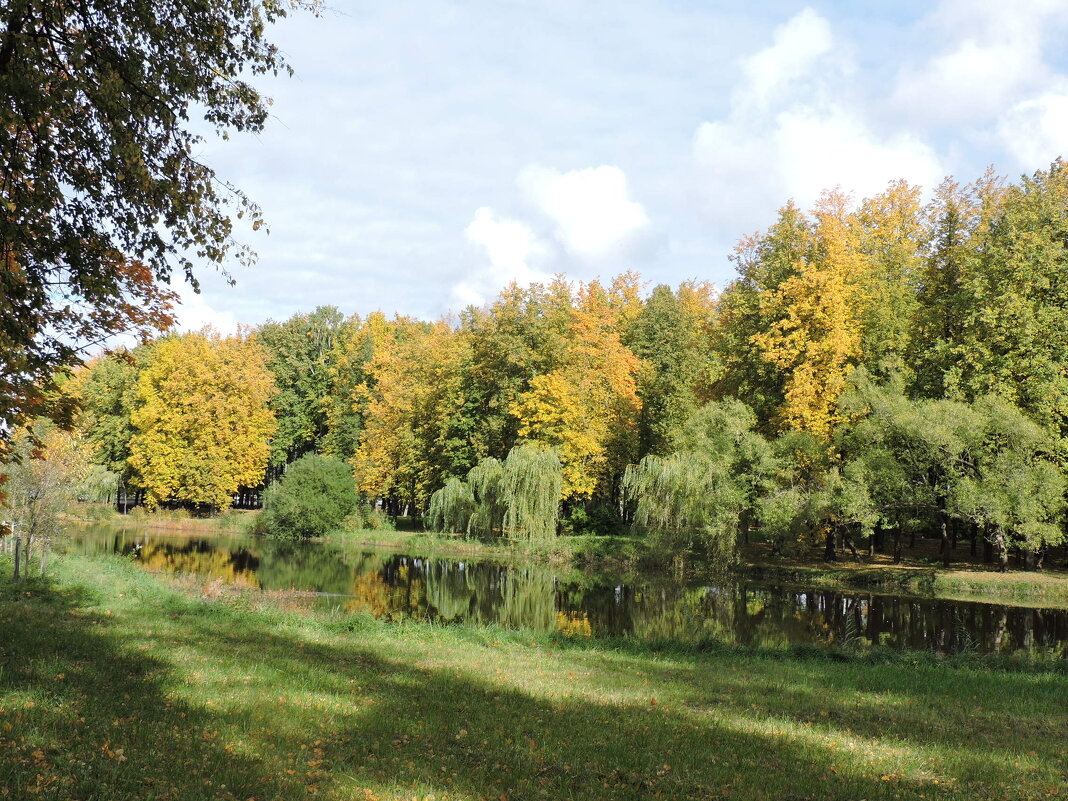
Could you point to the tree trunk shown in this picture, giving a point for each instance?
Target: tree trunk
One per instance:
(1002, 550)
(828, 552)
(897, 546)
(945, 538)
(848, 539)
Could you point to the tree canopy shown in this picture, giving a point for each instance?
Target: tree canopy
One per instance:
(103, 194)
(203, 424)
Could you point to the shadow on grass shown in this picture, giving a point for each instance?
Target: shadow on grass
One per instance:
(82, 716)
(281, 713)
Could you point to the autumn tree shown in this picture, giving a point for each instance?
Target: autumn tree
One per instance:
(816, 338)
(103, 195)
(587, 407)
(764, 262)
(51, 465)
(203, 419)
(520, 335)
(408, 397)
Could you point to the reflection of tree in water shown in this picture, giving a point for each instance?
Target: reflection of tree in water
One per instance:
(454, 592)
(653, 607)
(220, 558)
(201, 558)
(303, 566)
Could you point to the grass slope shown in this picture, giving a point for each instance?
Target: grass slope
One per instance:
(116, 684)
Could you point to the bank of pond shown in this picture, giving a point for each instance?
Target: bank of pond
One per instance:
(666, 604)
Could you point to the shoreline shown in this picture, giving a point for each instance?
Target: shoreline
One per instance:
(961, 582)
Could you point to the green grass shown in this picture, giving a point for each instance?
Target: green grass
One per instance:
(117, 684)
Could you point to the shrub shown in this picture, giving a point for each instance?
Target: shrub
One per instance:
(311, 499)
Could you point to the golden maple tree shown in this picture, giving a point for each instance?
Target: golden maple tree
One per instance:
(203, 421)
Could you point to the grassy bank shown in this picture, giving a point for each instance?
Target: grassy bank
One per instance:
(229, 522)
(970, 583)
(115, 684)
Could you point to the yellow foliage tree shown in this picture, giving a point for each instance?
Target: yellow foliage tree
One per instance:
(816, 339)
(203, 422)
(588, 406)
(409, 393)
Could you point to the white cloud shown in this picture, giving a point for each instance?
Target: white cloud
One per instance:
(993, 53)
(796, 48)
(591, 208)
(195, 312)
(1035, 131)
(809, 139)
(512, 248)
(823, 148)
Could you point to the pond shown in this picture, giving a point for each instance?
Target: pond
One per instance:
(588, 604)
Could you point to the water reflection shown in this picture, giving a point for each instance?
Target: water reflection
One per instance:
(577, 604)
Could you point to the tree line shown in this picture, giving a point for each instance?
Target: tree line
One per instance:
(877, 369)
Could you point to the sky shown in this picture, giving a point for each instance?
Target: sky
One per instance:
(426, 153)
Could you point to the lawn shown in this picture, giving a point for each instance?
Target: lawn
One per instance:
(119, 684)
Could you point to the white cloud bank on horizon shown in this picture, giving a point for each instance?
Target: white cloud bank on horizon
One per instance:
(194, 312)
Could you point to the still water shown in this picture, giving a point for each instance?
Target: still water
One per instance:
(576, 603)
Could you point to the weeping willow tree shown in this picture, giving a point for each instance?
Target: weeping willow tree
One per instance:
(486, 483)
(520, 496)
(451, 507)
(701, 495)
(533, 484)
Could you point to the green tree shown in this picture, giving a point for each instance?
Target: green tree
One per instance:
(672, 337)
(519, 497)
(103, 194)
(1013, 337)
(960, 219)
(702, 494)
(1011, 487)
(106, 390)
(300, 354)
